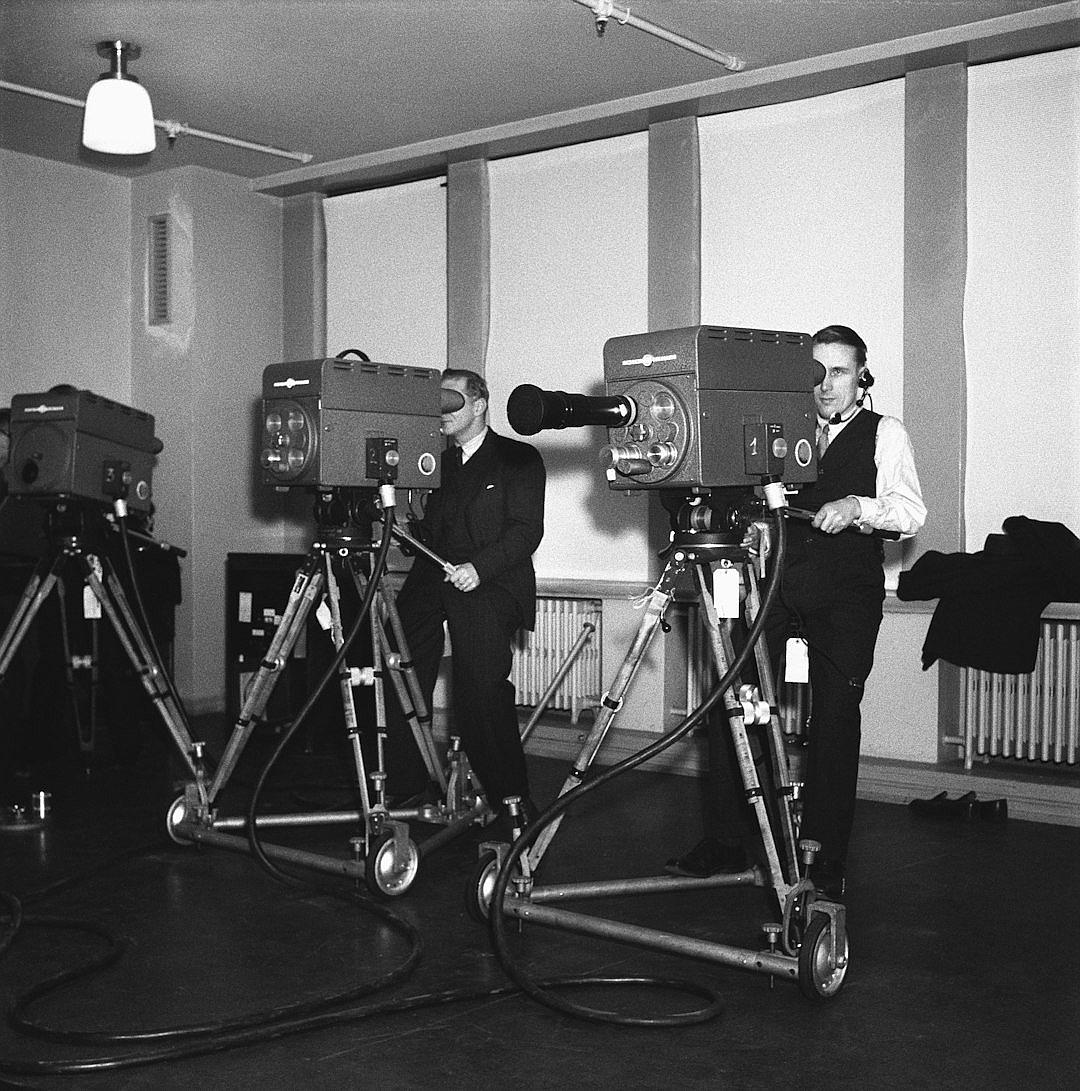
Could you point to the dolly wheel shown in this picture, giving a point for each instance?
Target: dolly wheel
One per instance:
(173, 817)
(820, 976)
(388, 869)
(481, 885)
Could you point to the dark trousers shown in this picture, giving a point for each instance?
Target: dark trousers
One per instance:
(840, 623)
(482, 624)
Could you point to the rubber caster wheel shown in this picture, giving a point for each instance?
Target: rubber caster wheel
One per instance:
(481, 887)
(820, 976)
(389, 870)
(173, 817)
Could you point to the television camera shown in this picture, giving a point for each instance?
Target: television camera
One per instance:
(693, 409)
(349, 423)
(68, 442)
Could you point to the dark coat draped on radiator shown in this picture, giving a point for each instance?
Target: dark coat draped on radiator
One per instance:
(990, 603)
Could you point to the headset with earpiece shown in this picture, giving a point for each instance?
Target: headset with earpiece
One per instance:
(866, 380)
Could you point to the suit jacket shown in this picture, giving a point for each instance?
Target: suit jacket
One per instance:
(492, 516)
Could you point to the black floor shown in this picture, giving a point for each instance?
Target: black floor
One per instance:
(964, 967)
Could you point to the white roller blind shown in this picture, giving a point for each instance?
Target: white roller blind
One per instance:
(802, 225)
(568, 271)
(386, 274)
(802, 221)
(1022, 306)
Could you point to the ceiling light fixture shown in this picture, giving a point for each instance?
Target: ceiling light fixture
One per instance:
(118, 119)
(172, 129)
(603, 10)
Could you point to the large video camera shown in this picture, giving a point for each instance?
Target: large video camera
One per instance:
(68, 442)
(338, 423)
(700, 406)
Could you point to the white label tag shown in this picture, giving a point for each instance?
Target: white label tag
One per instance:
(726, 592)
(91, 608)
(797, 668)
(244, 607)
(323, 616)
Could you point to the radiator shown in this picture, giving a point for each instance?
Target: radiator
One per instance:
(539, 655)
(1034, 716)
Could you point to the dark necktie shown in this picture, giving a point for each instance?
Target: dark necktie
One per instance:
(823, 440)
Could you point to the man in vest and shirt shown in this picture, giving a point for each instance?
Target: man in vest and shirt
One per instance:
(831, 593)
(486, 519)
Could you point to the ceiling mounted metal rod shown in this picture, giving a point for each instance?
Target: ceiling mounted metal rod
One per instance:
(172, 129)
(604, 10)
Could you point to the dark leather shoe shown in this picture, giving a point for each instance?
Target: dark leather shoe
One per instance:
(992, 810)
(708, 857)
(941, 806)
(829, 879)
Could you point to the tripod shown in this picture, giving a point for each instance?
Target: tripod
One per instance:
(385, 855)
(810, 943)
(69, 543)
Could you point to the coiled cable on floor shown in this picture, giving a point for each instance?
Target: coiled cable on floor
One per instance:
(540, 990)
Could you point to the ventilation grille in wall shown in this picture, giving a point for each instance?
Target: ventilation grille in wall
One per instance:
(158, 303)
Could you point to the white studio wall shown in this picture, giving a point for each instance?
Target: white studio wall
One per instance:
(568, 271)
(386, 273)
(65, 278)
(802, 224)
(1022, 305)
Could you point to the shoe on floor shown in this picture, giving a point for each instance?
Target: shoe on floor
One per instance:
(708, 857)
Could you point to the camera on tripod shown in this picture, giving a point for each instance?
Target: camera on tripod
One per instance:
(337, 423)
(695, 407)
(68, 442)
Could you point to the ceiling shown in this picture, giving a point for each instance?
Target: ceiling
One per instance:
(344, 78)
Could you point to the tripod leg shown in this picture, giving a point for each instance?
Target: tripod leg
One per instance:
(781, 773)
(306, 591)
(723, 657)
(348, 704)
(115, 607)
(410, 695)
(84, 737)
(421, 728)
(42, 581)
(611, 702)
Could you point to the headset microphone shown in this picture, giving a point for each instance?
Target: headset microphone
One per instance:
(866, 380)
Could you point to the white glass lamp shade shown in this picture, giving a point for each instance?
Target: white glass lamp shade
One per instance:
(118, 118)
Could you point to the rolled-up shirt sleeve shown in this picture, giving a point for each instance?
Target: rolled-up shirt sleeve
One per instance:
(899, 504)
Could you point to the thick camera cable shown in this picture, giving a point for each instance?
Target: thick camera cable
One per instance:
(536, 989)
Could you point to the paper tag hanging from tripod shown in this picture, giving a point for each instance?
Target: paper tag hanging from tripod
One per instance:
(725, 589)
(797, 660)
(91, 608)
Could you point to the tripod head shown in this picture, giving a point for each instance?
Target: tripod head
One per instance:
(710, 524)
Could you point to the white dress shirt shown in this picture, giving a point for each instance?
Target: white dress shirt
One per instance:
(470, 447)
(899, 504)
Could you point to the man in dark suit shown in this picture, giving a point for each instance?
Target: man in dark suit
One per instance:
(486, 520)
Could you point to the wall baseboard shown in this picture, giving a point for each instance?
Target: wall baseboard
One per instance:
(1032, 798)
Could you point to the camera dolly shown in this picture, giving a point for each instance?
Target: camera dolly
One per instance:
(386, 857)
(809, 943)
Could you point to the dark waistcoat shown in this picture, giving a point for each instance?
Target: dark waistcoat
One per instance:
(847, 469)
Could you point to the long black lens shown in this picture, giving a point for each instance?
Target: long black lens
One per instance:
(530, 410)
